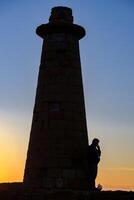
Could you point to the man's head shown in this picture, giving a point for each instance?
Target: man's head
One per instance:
(95, 141)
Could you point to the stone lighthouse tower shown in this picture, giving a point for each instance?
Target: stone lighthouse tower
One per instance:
(57, 152)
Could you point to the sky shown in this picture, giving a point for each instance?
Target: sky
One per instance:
(107, 58)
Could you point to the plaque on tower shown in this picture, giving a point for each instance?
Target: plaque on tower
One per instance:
(57, 152)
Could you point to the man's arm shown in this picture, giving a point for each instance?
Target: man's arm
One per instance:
(99, 151)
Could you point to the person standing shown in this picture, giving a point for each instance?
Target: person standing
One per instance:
(94, 154)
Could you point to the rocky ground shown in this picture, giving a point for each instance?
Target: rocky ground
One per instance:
(16, 191)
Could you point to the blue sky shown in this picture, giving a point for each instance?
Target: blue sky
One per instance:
(107, 57)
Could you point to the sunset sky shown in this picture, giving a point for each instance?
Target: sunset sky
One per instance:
(107, 58)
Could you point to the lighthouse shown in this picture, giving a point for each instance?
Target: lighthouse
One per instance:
(57, 151)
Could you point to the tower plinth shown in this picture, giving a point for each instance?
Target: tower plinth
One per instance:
(57, 152)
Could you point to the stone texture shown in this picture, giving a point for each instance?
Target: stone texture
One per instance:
(56, 156)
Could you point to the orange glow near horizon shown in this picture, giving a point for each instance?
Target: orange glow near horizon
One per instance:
(11, 161)
(116, 178)
(13, 156)
(12, 152)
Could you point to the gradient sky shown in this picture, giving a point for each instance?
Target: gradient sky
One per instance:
(107, 57)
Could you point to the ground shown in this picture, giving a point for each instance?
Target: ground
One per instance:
(16, 191)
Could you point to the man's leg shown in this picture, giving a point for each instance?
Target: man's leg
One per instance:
(92, 176)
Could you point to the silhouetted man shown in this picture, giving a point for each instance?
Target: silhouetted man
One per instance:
(93, 160)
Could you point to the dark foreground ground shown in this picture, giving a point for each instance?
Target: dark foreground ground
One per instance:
(16, 191)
